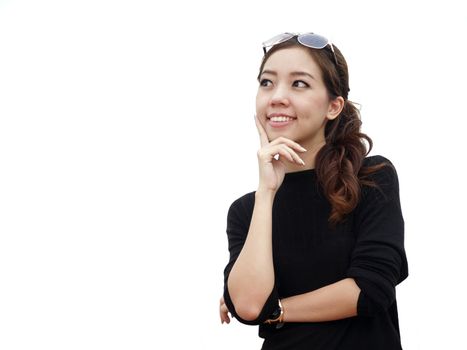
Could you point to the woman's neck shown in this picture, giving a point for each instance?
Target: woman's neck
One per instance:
(308, 157)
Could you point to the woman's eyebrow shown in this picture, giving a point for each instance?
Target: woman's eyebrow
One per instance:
(291, 73)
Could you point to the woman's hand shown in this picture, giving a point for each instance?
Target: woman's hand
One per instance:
(223, 311)
(271, 170)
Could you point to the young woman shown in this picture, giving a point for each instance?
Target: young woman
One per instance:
(317, 250)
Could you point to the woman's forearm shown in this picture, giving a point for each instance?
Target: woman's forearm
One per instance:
(332, 302)
(251, 279)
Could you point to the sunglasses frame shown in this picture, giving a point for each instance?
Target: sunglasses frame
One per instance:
(278, 39)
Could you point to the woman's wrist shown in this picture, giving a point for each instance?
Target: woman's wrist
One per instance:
(265, 193)
(277, 316)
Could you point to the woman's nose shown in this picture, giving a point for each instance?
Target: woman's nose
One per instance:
(279, 97)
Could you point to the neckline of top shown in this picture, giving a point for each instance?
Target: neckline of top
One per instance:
(301, 174)
(295, 173)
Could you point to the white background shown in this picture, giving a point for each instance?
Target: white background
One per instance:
(127, 131)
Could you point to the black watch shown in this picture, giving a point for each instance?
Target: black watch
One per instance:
(276, 316)
(276, 313)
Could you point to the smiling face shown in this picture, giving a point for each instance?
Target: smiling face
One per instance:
(291, 85)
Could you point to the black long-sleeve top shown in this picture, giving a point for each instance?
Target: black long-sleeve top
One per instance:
(309, 254)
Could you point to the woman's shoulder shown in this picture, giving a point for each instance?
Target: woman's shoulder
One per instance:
(244, 203)
(376, 160)
(379, 166)
(381, 173)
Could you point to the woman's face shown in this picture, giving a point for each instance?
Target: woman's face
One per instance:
(291, 85)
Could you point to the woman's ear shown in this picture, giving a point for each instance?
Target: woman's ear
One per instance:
(335, 108)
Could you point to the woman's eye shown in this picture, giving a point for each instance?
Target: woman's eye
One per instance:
(300, 83)
(265, 82)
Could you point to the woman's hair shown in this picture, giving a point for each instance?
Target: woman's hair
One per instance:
(339, 162)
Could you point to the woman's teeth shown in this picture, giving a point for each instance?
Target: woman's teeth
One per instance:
(281, 119)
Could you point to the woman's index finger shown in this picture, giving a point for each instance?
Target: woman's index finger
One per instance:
(262, 133)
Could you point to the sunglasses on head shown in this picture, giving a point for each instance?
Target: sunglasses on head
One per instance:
(312, 40)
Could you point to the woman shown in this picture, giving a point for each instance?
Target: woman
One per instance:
(317, 250)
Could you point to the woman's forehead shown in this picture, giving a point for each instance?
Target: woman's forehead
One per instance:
(289, 60)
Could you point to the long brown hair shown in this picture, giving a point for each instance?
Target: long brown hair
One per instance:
(339, 162)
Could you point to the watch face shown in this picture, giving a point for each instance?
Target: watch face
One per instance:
(276, 313)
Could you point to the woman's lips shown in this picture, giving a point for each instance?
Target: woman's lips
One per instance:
(275, 124)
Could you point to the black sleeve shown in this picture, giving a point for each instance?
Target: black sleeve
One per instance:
(378, 261)
(238, 223)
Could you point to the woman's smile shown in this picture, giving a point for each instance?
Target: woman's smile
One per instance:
(280, 122)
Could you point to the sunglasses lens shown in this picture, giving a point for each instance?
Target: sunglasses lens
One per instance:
(313, 40)
(278, 39)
